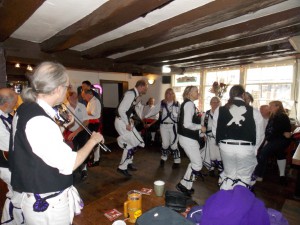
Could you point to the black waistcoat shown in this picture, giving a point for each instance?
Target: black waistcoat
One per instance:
(193, 134)
(238, 124)
(29, 172)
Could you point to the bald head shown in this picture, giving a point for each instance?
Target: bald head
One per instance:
(265, 111)
(8, 100)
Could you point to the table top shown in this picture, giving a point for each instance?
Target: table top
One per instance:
(93, 213)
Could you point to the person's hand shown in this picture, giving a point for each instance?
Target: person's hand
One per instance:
(203, 129)
(128, 127)
(97, 137)
(287, 134)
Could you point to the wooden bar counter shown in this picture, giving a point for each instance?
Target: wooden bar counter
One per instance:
(93, 213)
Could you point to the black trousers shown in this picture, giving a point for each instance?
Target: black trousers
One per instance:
(275, 147)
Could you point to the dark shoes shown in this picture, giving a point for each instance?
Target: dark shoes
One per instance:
(124, 172)
(131, 167)
(184, 190)
(175, 165)
(93, 164)
(83, 175)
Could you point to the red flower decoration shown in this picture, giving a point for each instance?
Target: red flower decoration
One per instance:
(218, 89)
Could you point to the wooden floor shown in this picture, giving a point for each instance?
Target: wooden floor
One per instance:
(104, 179)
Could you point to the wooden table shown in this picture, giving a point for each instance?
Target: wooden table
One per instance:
(93, 213)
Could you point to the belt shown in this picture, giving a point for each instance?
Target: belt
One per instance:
(93, 121)
(235, 143)
(167, 123)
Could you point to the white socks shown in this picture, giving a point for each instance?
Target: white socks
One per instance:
(281, 166)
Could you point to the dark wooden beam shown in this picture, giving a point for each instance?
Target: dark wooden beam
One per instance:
(109, 16)
(207, 15)
(13, 13)
(29, 53)
(268, 38)
(241, 55)
(245, 29)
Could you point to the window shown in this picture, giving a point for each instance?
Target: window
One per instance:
(270, 83)
(181, 81)
(230, 77)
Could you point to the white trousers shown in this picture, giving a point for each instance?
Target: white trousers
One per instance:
(5, 175)
(167, 137)
(192, 150)
(127, 140)
(239, 162)
(61, 209)
(210, 153)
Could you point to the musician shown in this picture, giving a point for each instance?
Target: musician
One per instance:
(75, 132)
(238, 129)
(189, 130)
(40, 161)
(8, 101)
(94, 113)
(212, 152)
(129, 137)
(169, 111)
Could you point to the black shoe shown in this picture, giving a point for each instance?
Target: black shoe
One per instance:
(162, 163)
(175, 165)
(131, 167)
(83, 175)
(184, 190)
(124, 172)
(93, 164)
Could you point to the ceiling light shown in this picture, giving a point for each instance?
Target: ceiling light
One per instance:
(166, 69)
(17, 65)
(29, 68)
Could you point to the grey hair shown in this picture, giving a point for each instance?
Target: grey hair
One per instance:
(6, 97)
(47, 77)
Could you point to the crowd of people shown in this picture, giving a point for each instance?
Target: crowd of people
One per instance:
(233, 141)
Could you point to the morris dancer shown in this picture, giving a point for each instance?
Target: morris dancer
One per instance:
(40, 161)
(129, 137)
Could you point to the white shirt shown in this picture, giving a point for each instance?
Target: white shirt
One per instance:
(189, 111)
(259, 125)
(4, 133)
(46, 141)
(94, 107)
(126, 103)
(80, 112)
(147, 109)
(171, 107)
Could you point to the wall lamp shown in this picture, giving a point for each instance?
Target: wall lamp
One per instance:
(151, 81)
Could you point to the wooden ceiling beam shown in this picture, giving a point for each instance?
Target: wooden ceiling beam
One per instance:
(273, 37)
(29, 53)
(207, 15)
(13, 13)
(245, 29)
(109, 16)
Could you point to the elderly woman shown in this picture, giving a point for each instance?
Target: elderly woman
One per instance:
(168, 110)
(277, 139)
(40, 161)
(212, 152)
(189, 130)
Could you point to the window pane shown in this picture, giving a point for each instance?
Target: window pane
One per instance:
(226, 77)
(278, 74)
